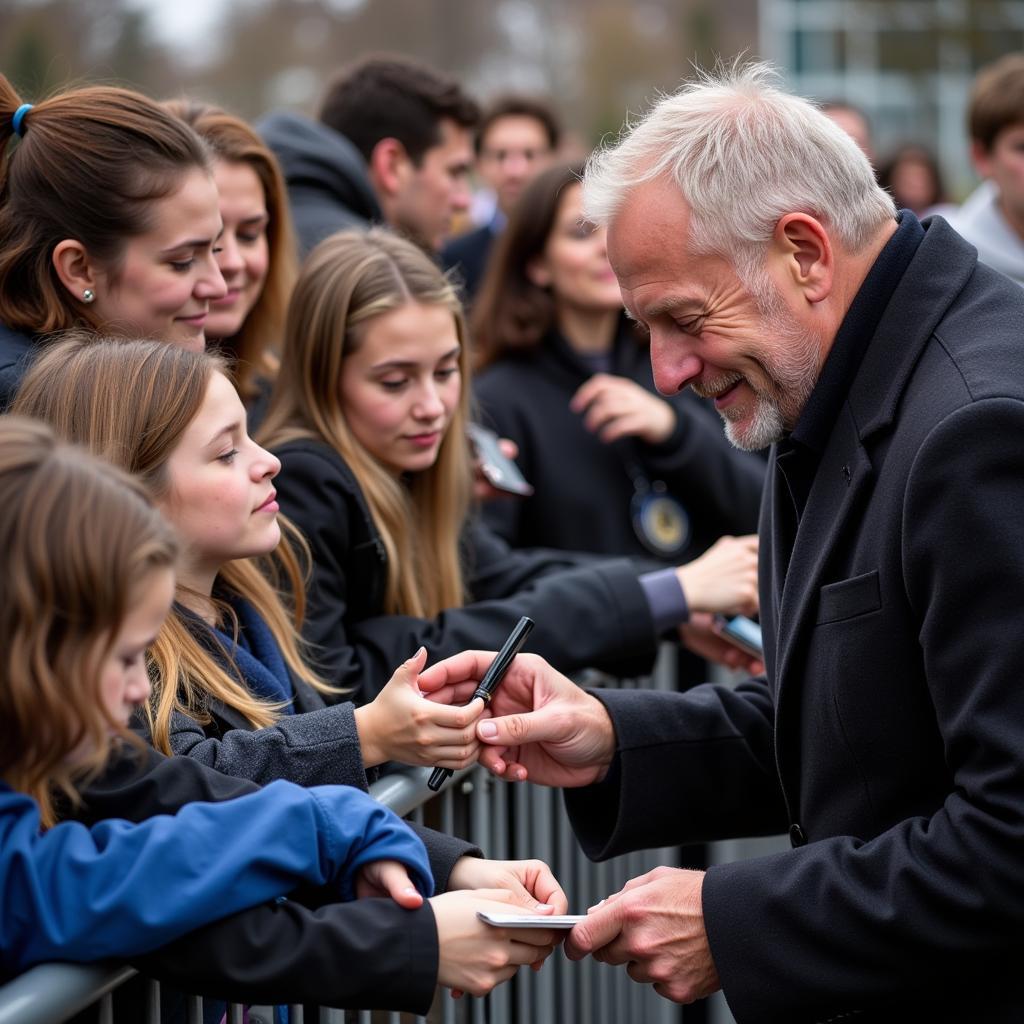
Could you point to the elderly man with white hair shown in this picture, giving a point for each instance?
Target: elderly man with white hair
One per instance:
(886, 368)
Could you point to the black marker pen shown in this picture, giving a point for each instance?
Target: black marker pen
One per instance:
(486, 687)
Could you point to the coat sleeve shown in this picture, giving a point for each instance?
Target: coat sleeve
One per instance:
(366, 955)
(593, 615)
(85, 894)
(313, 748)
(689, 767)
(853, 923)
(141, 784)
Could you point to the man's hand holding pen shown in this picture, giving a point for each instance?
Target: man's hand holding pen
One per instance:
(544, 727)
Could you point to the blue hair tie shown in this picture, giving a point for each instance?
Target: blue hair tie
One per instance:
(19, 116)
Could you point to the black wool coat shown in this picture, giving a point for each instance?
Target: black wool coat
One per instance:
(888, 736)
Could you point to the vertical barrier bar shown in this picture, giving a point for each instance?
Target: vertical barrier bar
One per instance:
(499, 1002)
(106, 1014)
(295, 1015)
(194, 1010)
(152, 1002)
(235, 1014)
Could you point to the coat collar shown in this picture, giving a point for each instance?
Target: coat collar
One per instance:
(941, 268)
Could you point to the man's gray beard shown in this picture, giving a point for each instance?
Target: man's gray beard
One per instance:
(794, 379)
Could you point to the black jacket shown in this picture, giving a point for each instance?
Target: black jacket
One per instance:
(582, 490)
(888, 736)
(587, 615)
(366, 954)
(16, 350)
(328, 186)
(467, 255)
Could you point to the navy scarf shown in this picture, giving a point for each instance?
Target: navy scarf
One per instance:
(256, 653)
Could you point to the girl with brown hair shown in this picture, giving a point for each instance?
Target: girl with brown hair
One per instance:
(87, 579)
(257, 250)
(232, 688)
(368, 417)
(108, 220)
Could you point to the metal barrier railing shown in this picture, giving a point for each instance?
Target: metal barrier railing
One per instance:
(507, 821)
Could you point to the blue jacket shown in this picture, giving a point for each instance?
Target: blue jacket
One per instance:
(16, 350)
(118, 889)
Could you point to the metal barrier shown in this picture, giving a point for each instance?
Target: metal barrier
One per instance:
(507, 821)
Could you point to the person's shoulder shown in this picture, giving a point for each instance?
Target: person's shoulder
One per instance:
(14, 346)
(511, 380)
(313, 463)
(466, 245)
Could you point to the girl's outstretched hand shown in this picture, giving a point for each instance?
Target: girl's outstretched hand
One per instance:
(400, 724)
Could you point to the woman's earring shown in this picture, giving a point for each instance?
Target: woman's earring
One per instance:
(88, 295)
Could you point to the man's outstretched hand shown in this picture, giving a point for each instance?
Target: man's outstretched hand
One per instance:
(542, 726)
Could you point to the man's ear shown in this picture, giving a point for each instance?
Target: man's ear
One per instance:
(75, 268)
(389, 166)
(803, 254)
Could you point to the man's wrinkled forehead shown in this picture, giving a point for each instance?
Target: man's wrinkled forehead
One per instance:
(648, 232)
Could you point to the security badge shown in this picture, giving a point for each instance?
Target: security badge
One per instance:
(660, 521)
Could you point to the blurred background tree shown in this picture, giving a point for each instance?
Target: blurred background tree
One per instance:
(594, 57)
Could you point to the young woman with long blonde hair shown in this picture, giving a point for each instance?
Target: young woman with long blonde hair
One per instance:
(232, 688)
(369, 417)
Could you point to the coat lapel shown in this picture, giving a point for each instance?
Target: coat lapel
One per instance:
(839, 483)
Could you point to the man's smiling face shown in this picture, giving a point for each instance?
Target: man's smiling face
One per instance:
(747, 352)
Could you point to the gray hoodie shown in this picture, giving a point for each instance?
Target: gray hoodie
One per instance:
(982, 223)
(328, 185)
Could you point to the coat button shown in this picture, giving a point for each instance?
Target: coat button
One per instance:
(797, 836)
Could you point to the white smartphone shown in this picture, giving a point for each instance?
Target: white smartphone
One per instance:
(530, 920)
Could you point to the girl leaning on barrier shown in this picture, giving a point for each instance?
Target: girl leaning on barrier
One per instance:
(232, 689)
(88, 577)
(368, 417)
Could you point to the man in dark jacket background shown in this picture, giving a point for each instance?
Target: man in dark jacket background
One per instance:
(392, 145)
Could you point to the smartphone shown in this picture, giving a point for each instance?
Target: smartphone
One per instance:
(530, 920)
(741, 632)
(501, 472)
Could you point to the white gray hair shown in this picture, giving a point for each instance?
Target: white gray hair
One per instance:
(743, 154)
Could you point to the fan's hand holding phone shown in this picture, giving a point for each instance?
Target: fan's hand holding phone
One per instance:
(741, 632)
(498, 469)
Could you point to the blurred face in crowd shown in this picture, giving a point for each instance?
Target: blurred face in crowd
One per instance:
(124, 680)
(167, 277)
(750, 354)
(913, 185)
(244, 256)
(574, 264)
(514, 149)
(1004, 165)
(429, 196)
(220, 497)
(400, 386)
(855, 124)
